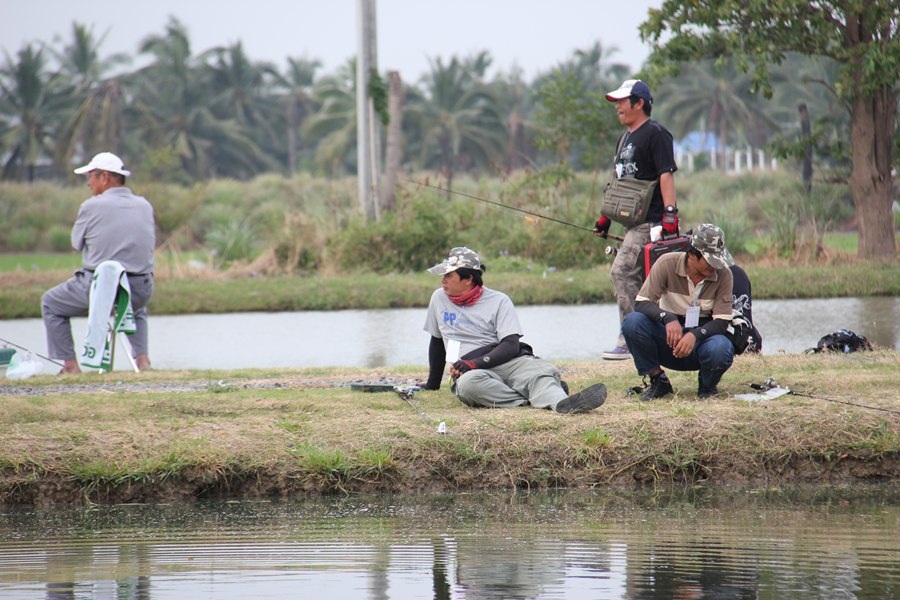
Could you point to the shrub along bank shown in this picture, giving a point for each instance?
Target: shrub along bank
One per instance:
(311, 224)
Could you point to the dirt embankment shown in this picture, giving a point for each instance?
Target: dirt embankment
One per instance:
(163, 437)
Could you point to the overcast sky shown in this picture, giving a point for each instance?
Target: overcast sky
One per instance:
(534, 35)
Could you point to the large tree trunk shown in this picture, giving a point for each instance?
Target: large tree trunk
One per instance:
(394, 144)
(871, 139)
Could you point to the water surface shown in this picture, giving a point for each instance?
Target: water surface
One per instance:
(671, 543)
(378, 338)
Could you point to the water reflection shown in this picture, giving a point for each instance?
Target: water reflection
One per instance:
(616, 544)
(378, 338)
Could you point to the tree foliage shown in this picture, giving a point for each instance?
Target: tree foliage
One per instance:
(861, 36)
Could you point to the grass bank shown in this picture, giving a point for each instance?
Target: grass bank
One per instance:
(195, 292)
(181, 436)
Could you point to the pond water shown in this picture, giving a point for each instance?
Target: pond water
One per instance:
(377, 338)
(664, 544)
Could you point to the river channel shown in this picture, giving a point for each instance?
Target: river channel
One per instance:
(661, 544)
(393, 337)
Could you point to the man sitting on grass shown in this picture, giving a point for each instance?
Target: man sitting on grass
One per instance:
(477, 330)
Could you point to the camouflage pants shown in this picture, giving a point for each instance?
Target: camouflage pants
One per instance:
(627, 271)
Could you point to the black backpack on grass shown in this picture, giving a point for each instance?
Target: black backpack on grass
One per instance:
(842, 340)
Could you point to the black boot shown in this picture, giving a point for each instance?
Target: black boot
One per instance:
(659, 387)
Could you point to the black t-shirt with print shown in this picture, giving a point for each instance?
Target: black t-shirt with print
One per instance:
(646, 154)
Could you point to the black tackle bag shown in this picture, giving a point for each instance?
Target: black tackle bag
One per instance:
(842, 340)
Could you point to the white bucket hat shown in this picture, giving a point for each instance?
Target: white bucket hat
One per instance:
(105, 161)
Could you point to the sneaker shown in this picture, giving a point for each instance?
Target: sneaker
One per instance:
(584, 401)
(659, 387)
(704, 392)
(564, 386)
(617, 353)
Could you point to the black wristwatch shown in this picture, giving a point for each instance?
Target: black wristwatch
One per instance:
(672, 209)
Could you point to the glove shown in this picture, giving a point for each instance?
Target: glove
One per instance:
(464, 365)
(670, 222)
(602, 226)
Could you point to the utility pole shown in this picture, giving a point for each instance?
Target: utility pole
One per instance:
(367, 142)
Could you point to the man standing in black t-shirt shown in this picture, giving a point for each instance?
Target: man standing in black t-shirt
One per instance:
(645, 151)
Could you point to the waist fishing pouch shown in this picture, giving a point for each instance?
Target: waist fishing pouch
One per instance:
(627, 200)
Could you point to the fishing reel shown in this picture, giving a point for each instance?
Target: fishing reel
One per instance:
(406, 392)
(768, 384)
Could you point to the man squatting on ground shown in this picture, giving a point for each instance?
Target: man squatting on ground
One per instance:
(645, 152)
(114, 224)
(478, 330)
(681, 315)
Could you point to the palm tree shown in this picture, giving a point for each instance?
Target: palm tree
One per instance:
(172, 108)
(297, 85)
(458, 121)
(593, 68)
(31, 100)
(80, 59)
(241, 90)
(716, 99)
(334, 124)
(96, 119)
(515, 100)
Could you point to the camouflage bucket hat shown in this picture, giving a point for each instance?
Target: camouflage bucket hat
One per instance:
(458, 258)
(710, 241)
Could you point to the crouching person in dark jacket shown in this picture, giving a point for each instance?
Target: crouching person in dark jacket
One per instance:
(682, 314)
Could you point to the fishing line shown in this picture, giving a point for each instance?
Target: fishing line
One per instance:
(32, 351)
(506, 206)
(887, 410)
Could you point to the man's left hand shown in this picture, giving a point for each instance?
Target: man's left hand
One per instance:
(685, 345)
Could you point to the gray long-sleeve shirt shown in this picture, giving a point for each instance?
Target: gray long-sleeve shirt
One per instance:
(116, 225)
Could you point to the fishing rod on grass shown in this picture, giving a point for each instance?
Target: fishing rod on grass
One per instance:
(773, 389)
(506, 206)
(55, 362)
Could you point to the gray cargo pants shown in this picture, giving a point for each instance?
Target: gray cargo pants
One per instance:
(521, 381)
(71, 299)
(627, 271)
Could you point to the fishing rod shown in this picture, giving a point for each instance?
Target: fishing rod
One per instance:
(32, 351)
(771, 384)
(506, 206)
(406, 393)
(887, 410)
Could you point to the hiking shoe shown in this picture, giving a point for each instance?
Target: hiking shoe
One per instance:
(617, 353)
(584, 401)
(704, 392)
(564, 386)
(659, 387)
